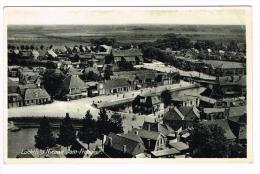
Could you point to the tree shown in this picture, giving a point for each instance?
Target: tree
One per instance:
(166, 97)
(107, 73)
(103, 123)
(88, 133)
(116, 123)
(41, 47)
(208, 141)
(67, 133)
(52, 82)
(44, 138)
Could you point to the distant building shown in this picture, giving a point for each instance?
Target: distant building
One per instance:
(133, 56)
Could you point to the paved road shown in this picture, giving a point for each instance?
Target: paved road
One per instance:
(78, 108)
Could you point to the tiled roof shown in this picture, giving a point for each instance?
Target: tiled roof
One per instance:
(35, 93)
(116, 83)
(145, 134)
(73, 82)
(182, 113)
(118, 142)
(158, 127)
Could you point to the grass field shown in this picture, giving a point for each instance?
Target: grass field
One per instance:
(81, 34)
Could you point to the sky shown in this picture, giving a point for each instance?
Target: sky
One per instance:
(124, 15)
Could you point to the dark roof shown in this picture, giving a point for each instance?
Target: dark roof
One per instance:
(36, 93)
(182, 113)
(12, 86)
(118, 142)
(73, 82)
(145, 134)
(116, 83)
(126, 53)
(223, 123)
(237, 111)
(158, 127)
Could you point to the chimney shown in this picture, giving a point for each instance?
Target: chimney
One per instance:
(67, 114)
(124, 148)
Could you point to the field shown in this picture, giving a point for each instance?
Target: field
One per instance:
(81, 34)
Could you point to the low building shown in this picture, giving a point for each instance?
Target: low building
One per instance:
(73, 88)
(35, 96)
(133, 56)
(114, 86)
(119, 146)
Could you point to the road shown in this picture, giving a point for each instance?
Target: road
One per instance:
(78, 108)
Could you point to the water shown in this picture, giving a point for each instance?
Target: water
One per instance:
(24, 139)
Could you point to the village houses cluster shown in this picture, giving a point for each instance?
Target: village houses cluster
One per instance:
(41, 75)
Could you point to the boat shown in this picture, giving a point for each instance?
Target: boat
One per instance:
(12, 127)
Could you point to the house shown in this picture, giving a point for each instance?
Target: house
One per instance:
(35, 96)
(185, 100)
(214, 113)
(182, 117)
(120, 146)
(73, 88)
(114, 86)
(14, 98)
(165, 153)
(226, 68)
(133, 56)
(29, 77)
(152, 140)
(147, 104)
(92, 88)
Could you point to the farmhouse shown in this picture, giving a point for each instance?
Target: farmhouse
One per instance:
(73, 88)
(133, 56)
(35, 96)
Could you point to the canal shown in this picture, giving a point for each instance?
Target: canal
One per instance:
(24, 139)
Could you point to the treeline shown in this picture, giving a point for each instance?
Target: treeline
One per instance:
(90, 131)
